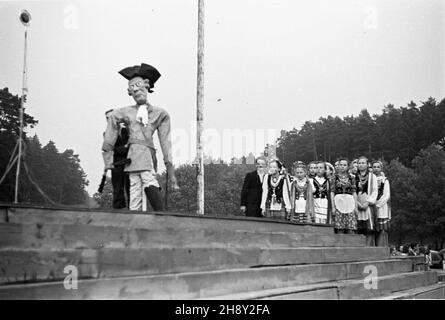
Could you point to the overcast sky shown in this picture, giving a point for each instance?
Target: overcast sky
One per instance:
(269, 65)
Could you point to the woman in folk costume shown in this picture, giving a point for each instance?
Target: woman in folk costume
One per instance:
(336, 166)
(286, 174)
(330, 174)
(301, 196)
(275, 202)
(142, 120)
(344, 199)
(366, 198)
(330, 171)
(382, 205)
(312, 169)
(353, 169)
(320, 189)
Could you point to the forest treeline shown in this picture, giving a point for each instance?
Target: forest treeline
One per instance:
(396, 133)
(59, 175)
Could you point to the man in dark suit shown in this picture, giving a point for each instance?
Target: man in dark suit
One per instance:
(119, 178)
(252, 190)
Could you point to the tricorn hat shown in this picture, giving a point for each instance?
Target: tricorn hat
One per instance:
(145, 71)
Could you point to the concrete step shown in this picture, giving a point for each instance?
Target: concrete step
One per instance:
(431, 292)
(18, 265)
(203, 284)
(441, 274)
(341, 290)
(418, 262)
(154, 221)
(80, 236)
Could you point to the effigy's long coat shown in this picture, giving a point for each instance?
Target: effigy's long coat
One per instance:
(141, 151)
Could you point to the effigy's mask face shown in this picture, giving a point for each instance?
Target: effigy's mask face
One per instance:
(138, 89)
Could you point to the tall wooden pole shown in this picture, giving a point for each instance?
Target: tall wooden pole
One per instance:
(200, 109)
(22, 106)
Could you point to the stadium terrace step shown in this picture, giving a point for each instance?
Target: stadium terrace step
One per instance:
(417, 261)
(154, 221)
(431, 292)
(203, 284)
(42, 265)
(78, 236)
(123, 255)
(342, 290)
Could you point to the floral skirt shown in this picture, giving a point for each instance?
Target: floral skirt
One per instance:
(345, 217)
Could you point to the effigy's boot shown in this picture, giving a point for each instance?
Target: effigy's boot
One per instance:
(154, 197)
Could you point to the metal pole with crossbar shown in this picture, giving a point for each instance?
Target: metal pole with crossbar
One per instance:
(25, 18)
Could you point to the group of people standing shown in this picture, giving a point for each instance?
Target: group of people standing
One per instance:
(353, 197)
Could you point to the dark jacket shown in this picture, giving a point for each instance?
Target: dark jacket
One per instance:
(120, 148)
(252, 190)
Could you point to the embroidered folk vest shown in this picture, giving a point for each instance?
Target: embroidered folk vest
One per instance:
(321, 190)
(344, 186)
(275, 189)
(300, 191)
(362, 183)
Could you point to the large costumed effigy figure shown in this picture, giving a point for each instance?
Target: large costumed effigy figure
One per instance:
(142, 120)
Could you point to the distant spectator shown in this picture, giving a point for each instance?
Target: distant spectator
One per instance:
(394, 251)
(412, 250)
(417, 249)
(428, 258)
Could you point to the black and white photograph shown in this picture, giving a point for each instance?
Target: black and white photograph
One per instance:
(222, 155)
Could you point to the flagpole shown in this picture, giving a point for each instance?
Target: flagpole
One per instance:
(200, 109)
